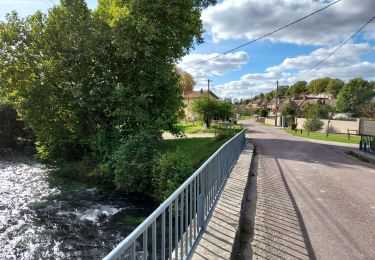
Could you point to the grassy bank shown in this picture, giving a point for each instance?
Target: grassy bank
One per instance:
(189, 128)
(82, 174)
(196, 149)
(342, 138)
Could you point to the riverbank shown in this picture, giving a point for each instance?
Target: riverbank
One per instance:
(48, 213)
(43, 217)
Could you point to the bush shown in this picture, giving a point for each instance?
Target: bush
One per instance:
(317, 111)
(313, 125)
(10, 127)
(263, 112)
(170, 171)
(132, 163)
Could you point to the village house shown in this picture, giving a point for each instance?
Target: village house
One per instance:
(189, 97)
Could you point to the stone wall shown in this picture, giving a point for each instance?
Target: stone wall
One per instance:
(269, 121)
(368, 127)
(336, 126)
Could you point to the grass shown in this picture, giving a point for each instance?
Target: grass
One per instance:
(196, 149)
(342, 138)
(189, 128)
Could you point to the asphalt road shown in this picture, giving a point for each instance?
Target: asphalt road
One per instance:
(313, 200)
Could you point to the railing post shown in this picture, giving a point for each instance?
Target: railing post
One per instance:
(201, 201)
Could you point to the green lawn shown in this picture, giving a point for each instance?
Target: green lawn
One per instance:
(322, 136)
(196, 149)
(189, 128)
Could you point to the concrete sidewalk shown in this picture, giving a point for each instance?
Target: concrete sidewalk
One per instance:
(221, 232)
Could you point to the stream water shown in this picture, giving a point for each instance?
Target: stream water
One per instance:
(44, 219)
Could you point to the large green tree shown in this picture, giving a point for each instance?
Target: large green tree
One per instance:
(356, 93)
(208, 109)
(318, 86)
(334, 86)
(79, 77)
(298, 88)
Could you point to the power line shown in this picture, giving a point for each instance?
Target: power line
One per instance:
(265, 35)
(47, 2)
(339, 47)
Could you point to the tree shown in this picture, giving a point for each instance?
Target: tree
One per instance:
(186, 81)
(317, 111)
(318, 86)
(313, 125)
(269, 96)
(263, 112)
(334, 86)
(208, 109)
(298, 88)
(283, 91)
(78, 77)
(368, 110)
(289, 110)
(353, 95)
(10, 127)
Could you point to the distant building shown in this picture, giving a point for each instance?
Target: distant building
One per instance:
(256, 103)
(189, 97)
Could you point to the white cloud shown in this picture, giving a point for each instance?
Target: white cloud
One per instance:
(345, 64)
(249, 19)
(216, 67)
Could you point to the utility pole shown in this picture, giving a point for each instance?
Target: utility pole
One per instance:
(277, 101)
(277, 95)
(208, 89)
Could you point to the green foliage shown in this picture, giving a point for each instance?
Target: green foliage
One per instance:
(318, 86)
(208, 109)
(263, 112)
(283, 90)
(132, 163)
(289, 110)
(334, 86)
(317, 111)
(313, 124)
(10, 127)
(368, 110)
(356, 93)
(170, 171)
(86, 81)
(299, 88)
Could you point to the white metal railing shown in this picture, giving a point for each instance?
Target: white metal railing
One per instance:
(175, 225)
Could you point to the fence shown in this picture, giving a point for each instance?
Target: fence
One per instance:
(175, 225)
(367, 143)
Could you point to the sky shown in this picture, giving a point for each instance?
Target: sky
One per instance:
(284, 56)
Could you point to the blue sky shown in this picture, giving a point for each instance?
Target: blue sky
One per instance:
(283, 56)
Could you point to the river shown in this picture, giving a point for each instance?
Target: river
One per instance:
(48, 218)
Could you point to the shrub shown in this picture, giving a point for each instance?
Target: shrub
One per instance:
(289, 111)
(170, 171)
(132, 163)
(10, 127)
(313, 125)
(263, 112)
(317, 111)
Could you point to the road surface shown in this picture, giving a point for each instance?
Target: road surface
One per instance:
(313, 200)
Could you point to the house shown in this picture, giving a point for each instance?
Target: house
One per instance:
(189, 97)
(256, 103)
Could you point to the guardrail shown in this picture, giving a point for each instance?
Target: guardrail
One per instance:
(172, 229)
(367, 143)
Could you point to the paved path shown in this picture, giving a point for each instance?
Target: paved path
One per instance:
(218, 239)
(313, 202)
